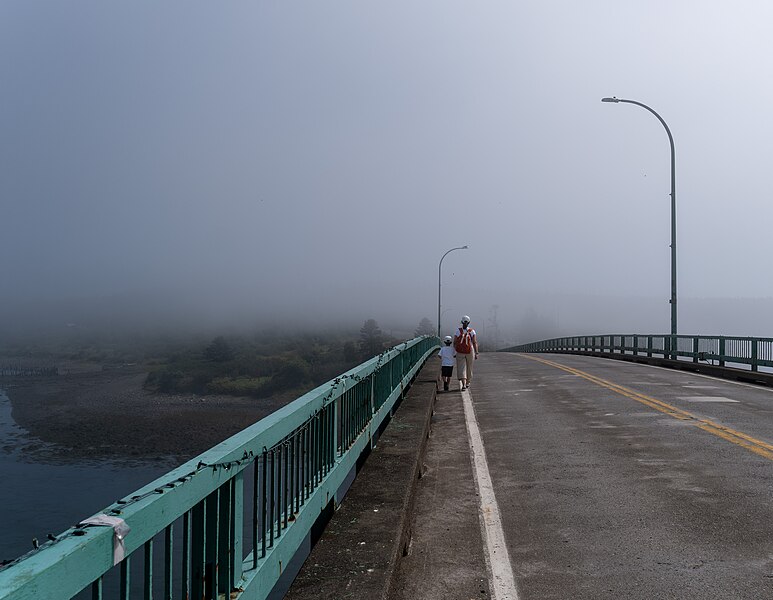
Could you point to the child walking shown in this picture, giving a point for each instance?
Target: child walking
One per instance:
(447, 355)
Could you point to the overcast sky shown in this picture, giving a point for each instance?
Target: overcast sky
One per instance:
(320, 157)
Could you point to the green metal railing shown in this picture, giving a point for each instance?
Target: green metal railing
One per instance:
(755, 352)
(228, 523)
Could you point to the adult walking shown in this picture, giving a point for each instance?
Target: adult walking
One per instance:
(466, 346)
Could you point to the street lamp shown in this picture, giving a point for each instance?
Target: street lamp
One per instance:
(443, 314)
(673, 215)
(440, 265)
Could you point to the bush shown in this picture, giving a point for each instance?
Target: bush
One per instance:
(292, 372)
(241, 386)
(164, 380)
(219, 350)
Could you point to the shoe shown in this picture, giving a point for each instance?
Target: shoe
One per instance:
(445, 387)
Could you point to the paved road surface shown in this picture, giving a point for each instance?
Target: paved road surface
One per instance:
(617, 480)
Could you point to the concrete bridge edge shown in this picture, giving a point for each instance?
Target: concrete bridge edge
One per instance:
(358, 552)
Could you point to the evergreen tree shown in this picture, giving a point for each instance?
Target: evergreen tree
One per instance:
(425, 328)
(371, 339)
(350, 352)
(219, 350)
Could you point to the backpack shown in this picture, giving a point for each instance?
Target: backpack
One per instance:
(463, 341)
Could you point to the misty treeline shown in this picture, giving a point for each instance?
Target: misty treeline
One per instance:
(265, 364)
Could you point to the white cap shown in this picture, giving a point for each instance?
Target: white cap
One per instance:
(448, 338)
(465, 319)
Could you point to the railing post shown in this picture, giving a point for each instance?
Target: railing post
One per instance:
(336, 421)
(168, 563)
(636, 345)
(198, 549)
(237, 529)
(649, 346)
(125, 583)
(755, 366)
(721, 351)
(225, 544)
(372, 405)
(212, 543)
(695, 349)
(148, 571)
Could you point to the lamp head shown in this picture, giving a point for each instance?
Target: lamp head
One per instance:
(465, 247)
(612, 99)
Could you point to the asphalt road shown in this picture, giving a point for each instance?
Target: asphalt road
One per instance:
(661, 488)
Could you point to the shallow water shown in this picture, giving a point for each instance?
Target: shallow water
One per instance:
(37, 498)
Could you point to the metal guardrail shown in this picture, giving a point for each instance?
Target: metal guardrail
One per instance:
(227, 524)
(753, 351)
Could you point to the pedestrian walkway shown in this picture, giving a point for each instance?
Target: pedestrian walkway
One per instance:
(445, 559)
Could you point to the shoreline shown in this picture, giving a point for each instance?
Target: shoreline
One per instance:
(108, 415)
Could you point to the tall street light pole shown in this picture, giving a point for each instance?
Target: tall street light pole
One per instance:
(673, 216)
(439, 267)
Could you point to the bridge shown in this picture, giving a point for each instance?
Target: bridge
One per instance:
(615, 466)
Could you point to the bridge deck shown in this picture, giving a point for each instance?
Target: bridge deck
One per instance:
(613, 480)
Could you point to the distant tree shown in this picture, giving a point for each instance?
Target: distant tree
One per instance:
(315, 354)
(425, 327)
(371, 339)
(292, 372)
(164, 380)
(350, 352)
(219, 350)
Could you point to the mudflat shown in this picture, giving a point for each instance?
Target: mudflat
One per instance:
(108, 414)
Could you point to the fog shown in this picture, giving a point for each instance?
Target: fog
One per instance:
(200, 164)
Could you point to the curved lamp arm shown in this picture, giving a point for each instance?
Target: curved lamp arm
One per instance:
(439, 267)
(673, 211)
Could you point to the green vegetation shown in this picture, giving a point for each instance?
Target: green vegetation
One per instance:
(265, 364)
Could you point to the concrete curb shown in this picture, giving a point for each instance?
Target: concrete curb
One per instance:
(358, 552)
(747, 376)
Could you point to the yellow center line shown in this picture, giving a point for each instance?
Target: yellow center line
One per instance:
(738, 438)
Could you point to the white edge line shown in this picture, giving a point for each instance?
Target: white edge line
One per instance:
(501, 579)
